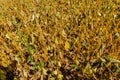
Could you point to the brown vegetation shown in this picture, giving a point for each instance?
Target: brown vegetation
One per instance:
(60, 39)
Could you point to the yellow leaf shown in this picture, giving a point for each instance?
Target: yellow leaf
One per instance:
(67, 46)
(7, 36)
(56, 40)
(62, 33)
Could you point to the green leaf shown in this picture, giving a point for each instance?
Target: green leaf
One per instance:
(31, 50)
(42, 64)
(30, 58)
(15, 23)
(34, 67)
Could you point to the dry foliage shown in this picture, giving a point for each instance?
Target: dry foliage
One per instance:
(60, 39)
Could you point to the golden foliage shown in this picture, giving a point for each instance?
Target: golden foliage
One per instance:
(62, 39)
